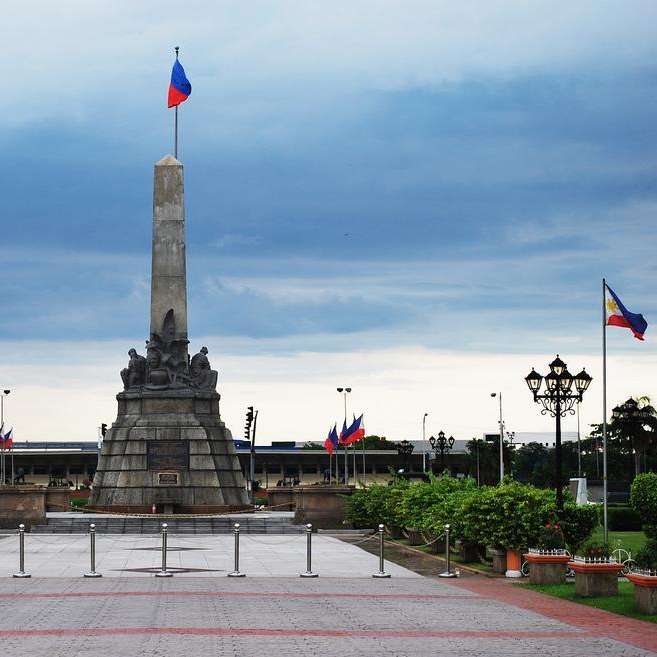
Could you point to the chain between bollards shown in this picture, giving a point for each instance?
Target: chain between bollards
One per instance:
(163, 572)
(382, 573)
(448, 572)
(309, 553)
(92, 552)
(21, 554)
(236, 572)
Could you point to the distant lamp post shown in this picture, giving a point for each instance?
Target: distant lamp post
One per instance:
(424, 442)
(558, 400)
(344, 391)
(405, 449)
(441, 445)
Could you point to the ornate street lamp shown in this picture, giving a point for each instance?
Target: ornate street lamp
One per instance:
(405, 449)
(558, 400)
(441, 445)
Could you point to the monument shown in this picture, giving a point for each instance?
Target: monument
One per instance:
(168, 446)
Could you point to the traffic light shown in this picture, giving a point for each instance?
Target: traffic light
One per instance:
(249, 422)
(103, 429)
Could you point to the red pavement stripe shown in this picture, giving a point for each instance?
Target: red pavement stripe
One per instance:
(235, 594)
(280, 632)
(641, 634)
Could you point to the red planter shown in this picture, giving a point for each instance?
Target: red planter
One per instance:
(645, 592)
(513, 563)
(547, 568)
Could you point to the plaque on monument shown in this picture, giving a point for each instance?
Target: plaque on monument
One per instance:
(168, 455)
(167, 478)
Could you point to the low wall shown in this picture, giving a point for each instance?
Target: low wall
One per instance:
(323, 506)
(22, 504)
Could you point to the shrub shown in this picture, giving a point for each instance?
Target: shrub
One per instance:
(551, 537)
(375, 504)
(578, 523)
(596, 550)
(77, 502)
(646, 557)
(509, 516)
(643, 499)
(425, 505)
(623, 519)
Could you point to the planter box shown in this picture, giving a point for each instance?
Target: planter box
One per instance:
(435, 547)
(395, 531)
(499, 560)
(596, 579)
(645, 592)
(469, 552)
(547, 568)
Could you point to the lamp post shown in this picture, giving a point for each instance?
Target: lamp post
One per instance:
(558, 400)
(441, 445)
(345, 392)
(424, 440)
(405, 449)
(501, 422)
(2, 423)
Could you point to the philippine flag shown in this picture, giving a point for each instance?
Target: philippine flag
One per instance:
(355, 432)
(179, 87)
(7, 440)
(618, 315)
(331, 441)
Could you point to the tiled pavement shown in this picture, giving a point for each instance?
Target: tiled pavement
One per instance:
(350, 614)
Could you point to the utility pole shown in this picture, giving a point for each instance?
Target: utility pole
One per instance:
(495, 394)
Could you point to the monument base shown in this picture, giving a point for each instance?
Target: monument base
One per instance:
(170, 450)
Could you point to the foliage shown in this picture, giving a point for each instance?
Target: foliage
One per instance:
(596, 550)
(623, 519)
(379, 442)
(646, 557)
(551, 537)
(77, 502)
(643, 498)
(312, 445)
(509, 516)
(483, 458)
(367, 507)
(578, 523)
(423, 503)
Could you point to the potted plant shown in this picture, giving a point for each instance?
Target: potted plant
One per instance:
(596, 571)
(644, 578)
(548, 560)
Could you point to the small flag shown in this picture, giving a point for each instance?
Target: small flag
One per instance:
(355, 432)
(618, 315)
(331, 441)
(343, 433)
(179, 87)
(6, 440)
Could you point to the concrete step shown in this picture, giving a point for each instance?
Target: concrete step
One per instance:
(134, 525)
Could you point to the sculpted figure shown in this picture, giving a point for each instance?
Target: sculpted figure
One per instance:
(135, 374)
(201, 374)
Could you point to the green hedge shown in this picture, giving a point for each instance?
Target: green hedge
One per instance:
(507, 516)
(623, 519)
(643, 499)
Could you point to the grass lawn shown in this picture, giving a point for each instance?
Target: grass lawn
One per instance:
(631, 541)
(622, 604)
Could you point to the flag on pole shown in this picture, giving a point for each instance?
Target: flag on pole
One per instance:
(331, 441)
(179, 87)
(7, 440)
(355, 432)
(617, 314)
(343, 433)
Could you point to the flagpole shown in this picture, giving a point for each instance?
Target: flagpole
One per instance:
(604, 412)
(175, 121)
(364, 471)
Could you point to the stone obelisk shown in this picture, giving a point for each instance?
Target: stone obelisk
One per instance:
(168, 446)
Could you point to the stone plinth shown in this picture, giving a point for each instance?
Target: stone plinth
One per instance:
(645, 592)
(22, 504)
(323, 506)
(594, 580)
(168, 448)
(281, 498)
(58, 499)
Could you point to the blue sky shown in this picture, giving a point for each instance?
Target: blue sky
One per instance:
(360, 176)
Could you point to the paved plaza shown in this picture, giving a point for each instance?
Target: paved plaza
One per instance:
(274, 612)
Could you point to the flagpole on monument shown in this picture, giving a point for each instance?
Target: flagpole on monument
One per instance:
(175, 120)
(604, 412)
